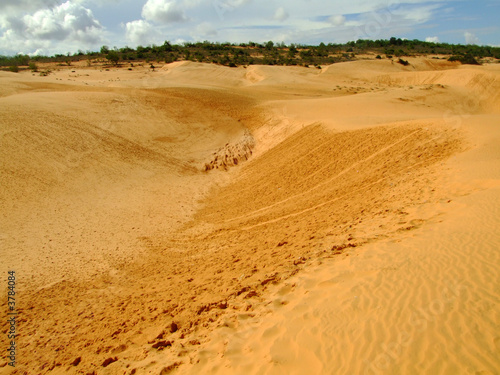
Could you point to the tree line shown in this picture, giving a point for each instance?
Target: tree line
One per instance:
(269, 53)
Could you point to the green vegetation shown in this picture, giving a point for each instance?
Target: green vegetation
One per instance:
(403, 62)
(269, 53)
(113, 57)
(465, 59)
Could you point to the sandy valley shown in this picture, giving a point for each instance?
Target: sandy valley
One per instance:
(254, 220)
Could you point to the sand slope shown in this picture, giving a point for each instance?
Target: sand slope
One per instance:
(424, 302)
(202, 219)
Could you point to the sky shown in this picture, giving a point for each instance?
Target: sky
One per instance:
(47, 27)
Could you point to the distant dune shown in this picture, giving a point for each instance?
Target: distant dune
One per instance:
(254, 220)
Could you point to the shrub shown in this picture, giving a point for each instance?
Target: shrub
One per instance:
(33, 67)
(14, 68)
(403, 62)
(400, 53)
(113, 57)
(378, 57)
(466, 59)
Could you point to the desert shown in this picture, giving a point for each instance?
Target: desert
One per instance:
(204, 219)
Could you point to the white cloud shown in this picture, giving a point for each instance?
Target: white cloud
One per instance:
(138, 32)
(205, 30)
(338, 20)
(163, 11)
(58, 26)
(235, 3)
(14, 6)
(395, 20)
(67, 23)
(471, 38)
(38, 52)
(432, 39)
(417, 15)
(224, 7)
(281, 14)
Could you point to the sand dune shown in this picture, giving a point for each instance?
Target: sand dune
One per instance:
(418, 302)
(203, 219)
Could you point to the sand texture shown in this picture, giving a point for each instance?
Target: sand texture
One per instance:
(201, 219)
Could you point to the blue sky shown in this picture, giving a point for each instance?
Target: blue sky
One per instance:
(54, 26)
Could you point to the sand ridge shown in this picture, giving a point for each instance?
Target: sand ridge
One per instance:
(128, 249)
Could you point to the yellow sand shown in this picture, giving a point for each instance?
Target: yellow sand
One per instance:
(348, 222)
